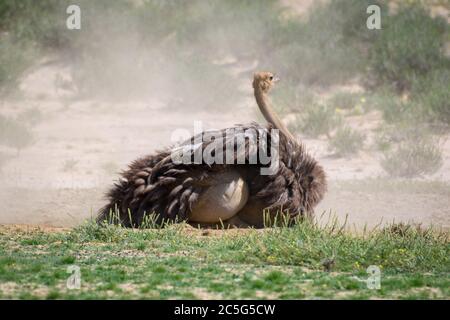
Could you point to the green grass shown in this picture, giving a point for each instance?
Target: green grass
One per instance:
(181, 262)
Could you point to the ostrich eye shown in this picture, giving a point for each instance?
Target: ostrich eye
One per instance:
(271, 78)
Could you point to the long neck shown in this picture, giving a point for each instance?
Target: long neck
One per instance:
(269, 114)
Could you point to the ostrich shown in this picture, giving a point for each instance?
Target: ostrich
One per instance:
(236, 195)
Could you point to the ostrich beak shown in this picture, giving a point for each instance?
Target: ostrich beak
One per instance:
(276, 79)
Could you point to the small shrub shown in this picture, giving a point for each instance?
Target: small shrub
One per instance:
(346, 141)
(394, 108)
(317, 119)
(391, 134)
(413, 158)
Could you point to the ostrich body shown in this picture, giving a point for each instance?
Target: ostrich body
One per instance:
(229, 194)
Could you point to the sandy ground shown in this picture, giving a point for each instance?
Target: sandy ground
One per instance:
(81, 145)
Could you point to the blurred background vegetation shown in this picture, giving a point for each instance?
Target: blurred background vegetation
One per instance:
(175, 49)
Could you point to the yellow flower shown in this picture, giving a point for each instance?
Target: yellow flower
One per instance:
(358, 109)
(363, 99)
(339, 110)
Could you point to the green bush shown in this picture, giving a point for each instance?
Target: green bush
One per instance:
(35, 21)
(316, 120)
(432, 96)
(346, 142)
(326, 49)
(427, 102)
(409, 46)
(395, 109)
(27, 28)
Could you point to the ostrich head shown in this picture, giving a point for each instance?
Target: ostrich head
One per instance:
(264, 81)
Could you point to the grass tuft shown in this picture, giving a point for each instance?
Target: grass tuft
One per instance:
(346, 142)
(316, 120)
(413, 158)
